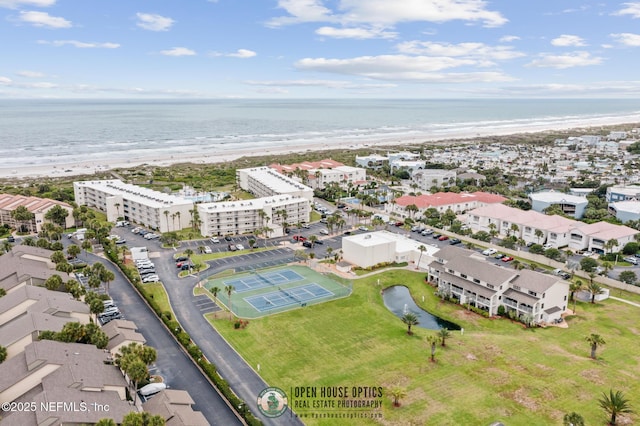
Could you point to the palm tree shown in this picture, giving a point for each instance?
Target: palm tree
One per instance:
(410, 319)
(215, 291)
(229, 289)
(614, 404)
(397, 393)
(573, 419)
(595, 289)
(539, 234)
(443, 334)
(432, 341)
(422, 249)
(594, 340)
(610, 244)
(312, 240)
(573, 288)
(166, 216)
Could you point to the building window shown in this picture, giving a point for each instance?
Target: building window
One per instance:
(463, 275)
(477, 281)
(490, 286)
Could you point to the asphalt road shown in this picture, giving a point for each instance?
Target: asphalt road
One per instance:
(172, 364)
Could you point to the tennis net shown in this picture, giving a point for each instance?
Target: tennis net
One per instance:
(264, 278)
(286, 293)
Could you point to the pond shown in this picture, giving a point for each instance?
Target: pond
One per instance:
(399, 301)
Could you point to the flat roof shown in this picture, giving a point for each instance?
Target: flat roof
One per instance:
(558, 197)
(139, 194)
(277, 182)
(255, 204)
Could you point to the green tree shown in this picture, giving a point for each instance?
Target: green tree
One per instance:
(142, 419)
(3, 354)
(54, 282)
(137, 371)
(610, 244)
(628, 277)
(229, 289)
(614, 404)
(3, 292)
(422, 249)
(22, 215)
(58, 215)
(539, 234)
(594, 340)
(443, 334)
(432, 341)
(57, 257)
(573, 288)
(397, 393)
(572, 419)
(594, 289)
(215, 291)
(73, 250)
(410, 319)
(107, 422)
(588, 264)
(96, 307)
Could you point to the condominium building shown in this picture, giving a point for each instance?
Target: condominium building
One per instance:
(428, 178)
(372, 161)
(248, 216)
(266, 182)
(38, 207)
(318, 174)
(153, 209)
(443, 201)
(623, 193)
(572, 205)
(467, 276)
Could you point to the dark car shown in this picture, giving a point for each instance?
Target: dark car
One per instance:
(347, 232)
(186, 267)
(436, 236)
(11, 239)
(499, 256)
(454, 241)
(319, 242)
(307, 244)
(181, 258)
(227, 238)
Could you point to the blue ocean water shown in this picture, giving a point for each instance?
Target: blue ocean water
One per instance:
(36, 132)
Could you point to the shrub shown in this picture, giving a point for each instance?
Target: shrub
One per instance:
(502, 310)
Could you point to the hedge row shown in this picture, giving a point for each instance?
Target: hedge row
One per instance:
(185, 340)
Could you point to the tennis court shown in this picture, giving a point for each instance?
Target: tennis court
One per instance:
(259, 280)
(296, 295)
(263, 292)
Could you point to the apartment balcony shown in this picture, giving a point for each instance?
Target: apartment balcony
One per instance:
(510, 304)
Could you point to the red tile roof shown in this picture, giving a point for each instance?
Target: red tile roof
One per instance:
(10, 202)
(448, 198)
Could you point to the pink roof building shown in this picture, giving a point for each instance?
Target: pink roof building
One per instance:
(443, 201)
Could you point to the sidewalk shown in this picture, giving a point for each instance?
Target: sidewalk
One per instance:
(625, 301)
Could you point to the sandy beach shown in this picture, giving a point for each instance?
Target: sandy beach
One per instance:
(55, 170)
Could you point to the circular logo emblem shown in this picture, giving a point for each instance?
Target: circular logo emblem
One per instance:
(272, 402)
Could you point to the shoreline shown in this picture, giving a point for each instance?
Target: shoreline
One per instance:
(76, 168)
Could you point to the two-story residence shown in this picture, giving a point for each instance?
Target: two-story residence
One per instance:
(468, 277)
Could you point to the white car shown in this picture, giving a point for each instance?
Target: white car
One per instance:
(489, 252)
(305, 225)
(324, 232)
(239, 247)
(208, 250)
(547, 246)
(151, 279)
(214, 240)
(631, 260)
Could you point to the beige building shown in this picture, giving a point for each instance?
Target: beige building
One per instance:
(122, 333)
(372, 248)
(175, 406)
(77, 375)
(37, 206)
(26, 265)
(467, 276)
(247, 216)
(153, 209)
(267, 182)
(30, 310)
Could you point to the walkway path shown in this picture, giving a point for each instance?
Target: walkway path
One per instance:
(625, 301)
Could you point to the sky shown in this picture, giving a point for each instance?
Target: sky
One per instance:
(319, 49)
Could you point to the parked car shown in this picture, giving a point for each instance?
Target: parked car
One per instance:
(547, 246)
(11, 239)
(363, 228)
(299, 238)
(631, 260)
(499, 256)
(507, 259)
(454, 241)
(319, 242)
(490, 252)
(121, 241)
(324, 232)
(435, 236)
(208, 250)
(307, 244)
(214, 240)
(232, 247)
(181, 258)
(399, 223)
(427, 232)
(305, 225)
(239, 247)
(227, 238)
(443, 238)
(151, 279)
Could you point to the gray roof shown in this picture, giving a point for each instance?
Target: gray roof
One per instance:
(468, 285)
(121, 331)
(29, 323)
(521, 297)
(535, 281)
(175, 407)
(552, 310)
(42, 300)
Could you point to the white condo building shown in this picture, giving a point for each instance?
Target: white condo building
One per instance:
(266, 182)
(153, 209)
(242, 217)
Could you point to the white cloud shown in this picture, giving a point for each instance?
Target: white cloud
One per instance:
(330, 84)
(570, 60)
(5, 81)
(178, 51)
(153, 22)
(471, 50)
(14, 4)
(43, 19)
(30, 74)
(593, 89)
(628, 39)
(566, 40)
(632, 9)
(240, 53)
(508, 38)
(243, 53)
(80, 44)
(400, 67)
(388, 13)
(357, 33)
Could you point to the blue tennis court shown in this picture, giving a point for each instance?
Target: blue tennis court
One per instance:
(290, 296)
(259, 280)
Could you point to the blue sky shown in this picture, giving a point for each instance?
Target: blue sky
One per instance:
(319, 48)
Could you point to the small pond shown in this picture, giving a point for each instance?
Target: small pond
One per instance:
(398, 300)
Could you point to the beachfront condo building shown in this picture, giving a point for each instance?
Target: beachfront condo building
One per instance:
(319, 174)
(266, 182)
(153, 209)
(38, 207)
(268, 216)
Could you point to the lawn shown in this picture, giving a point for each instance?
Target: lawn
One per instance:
(157, 292)
(495, 371)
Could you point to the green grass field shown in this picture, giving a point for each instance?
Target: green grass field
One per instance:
(495, 371)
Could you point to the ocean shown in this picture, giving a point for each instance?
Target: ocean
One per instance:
(35, 132)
